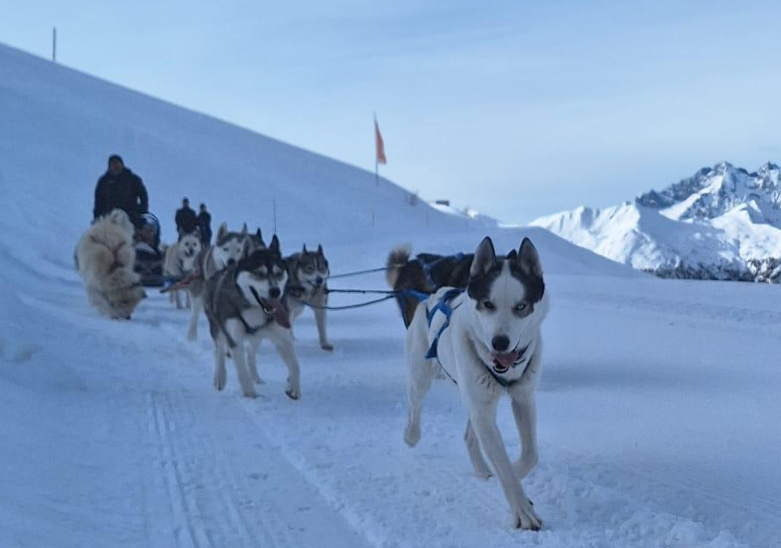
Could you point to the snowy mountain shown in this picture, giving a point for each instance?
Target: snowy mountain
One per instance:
(112, 435)
(722, 223)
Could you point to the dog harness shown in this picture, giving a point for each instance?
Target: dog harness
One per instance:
(443, 306)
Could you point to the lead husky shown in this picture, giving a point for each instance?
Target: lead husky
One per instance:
(308, 285)
(181, 259)
(488, 341)
(227, 250)
(244, 304)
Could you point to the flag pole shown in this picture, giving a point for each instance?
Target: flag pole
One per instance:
(376, 159)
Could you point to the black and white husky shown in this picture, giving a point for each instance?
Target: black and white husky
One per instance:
(227, 250)
(308, 285)
(244, 306)
(487, 339)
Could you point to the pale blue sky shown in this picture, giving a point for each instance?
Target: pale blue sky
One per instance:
(513, 108)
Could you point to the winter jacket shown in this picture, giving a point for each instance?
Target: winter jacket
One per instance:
(186, 221)
(205, 224)
(124, 191)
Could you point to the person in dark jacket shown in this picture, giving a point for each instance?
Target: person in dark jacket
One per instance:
(186, 220)
(120, 188)
(205, 225)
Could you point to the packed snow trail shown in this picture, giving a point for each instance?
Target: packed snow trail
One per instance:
(129, 444)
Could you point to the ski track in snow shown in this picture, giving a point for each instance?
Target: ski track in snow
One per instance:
(281, 473)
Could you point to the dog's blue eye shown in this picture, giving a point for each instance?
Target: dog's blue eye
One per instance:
(489, 305)
(520, 306)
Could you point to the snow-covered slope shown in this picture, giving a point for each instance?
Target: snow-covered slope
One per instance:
(721, 223)
(657, 406)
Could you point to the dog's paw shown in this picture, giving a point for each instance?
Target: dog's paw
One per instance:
(483, 474)
(526, 518)
(219, 379)
(251, 394)
(412, 435)
(327, 346)
(293, 390)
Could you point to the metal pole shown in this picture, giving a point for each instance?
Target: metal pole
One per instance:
(54, 44)
(274, 213)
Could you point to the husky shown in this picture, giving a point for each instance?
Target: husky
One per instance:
(256, 241)
(244, 306)
(104, 259)
(307, 286)
(425, 273)
(487, 340)
(181, 259)
(228, 249)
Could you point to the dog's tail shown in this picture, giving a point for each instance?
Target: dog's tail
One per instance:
(397, 258)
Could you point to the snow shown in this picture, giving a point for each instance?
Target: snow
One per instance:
(716, 224)
(658, 405)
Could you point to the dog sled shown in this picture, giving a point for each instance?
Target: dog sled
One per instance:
(149, 256)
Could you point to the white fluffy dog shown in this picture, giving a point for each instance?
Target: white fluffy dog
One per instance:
(181, 259)
(105, 258)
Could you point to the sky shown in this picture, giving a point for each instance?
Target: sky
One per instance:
(513, 108)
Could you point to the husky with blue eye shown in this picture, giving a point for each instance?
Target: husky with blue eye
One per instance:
(486, 338)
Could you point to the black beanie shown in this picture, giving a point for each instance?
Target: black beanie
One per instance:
(116, 157)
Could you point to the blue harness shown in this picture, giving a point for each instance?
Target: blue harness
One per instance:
(443, 306)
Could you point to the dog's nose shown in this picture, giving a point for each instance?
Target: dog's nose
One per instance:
(319, 280)
(231, 262)
(274, 292)
(500, 343)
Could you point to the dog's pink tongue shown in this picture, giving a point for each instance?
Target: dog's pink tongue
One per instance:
(280, 313)
(505, 359)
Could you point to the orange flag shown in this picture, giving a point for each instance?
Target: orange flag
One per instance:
(379, 144)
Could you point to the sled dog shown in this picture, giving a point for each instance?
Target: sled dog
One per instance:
(486, 338)
(244, 306)
(307, 285)
(105, 257)
(425, 273)
(227, 250)
(181, 259)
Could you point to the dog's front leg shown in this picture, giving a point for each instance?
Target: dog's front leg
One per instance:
(284, 345)
(197, 306)
(475, 454)
(252, 360)
(525, 415)
(320, 316)
(483, 418)
(240, 363)
(220, 374)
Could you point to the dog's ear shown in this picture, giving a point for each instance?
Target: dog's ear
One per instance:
(244, 231)
(485, 258)
(528, 259)
(303, 250)
(512, 255)
(222, 231)
(320, 250)
(274, 246)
